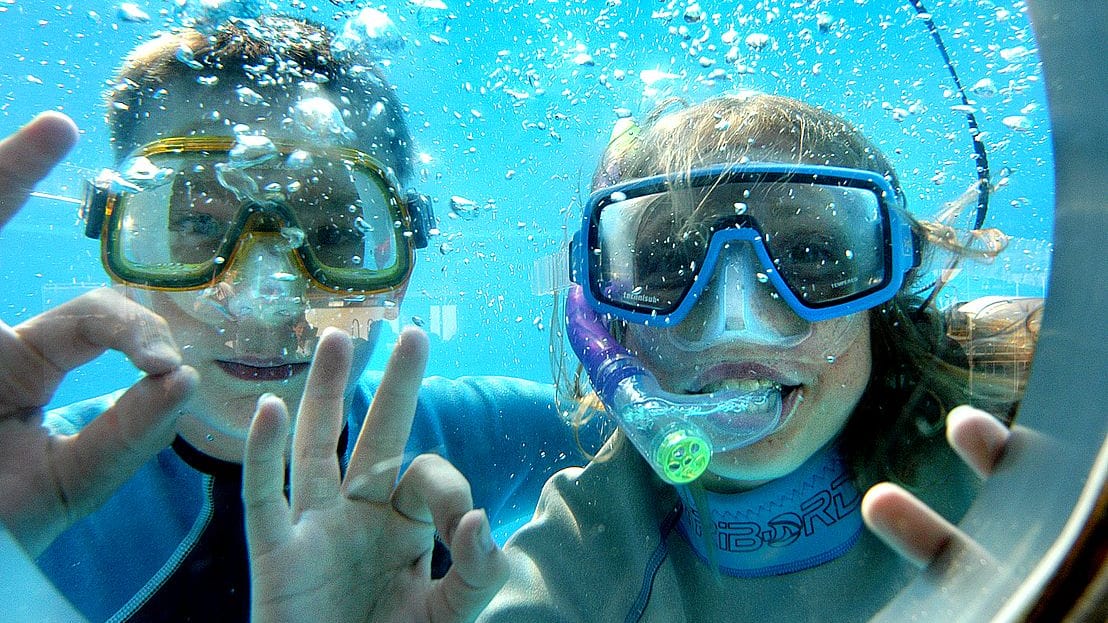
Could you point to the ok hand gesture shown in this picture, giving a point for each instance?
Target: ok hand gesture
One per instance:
(48, 481)
(358, 548)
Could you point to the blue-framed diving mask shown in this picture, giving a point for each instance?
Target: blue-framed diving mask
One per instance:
(830, 242)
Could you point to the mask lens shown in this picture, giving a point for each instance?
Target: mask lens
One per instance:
(346, 213)
(183, 212)
(828, 243)
(641, 258)
(171, 221)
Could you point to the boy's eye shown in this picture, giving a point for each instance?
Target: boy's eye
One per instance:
(328, 235)
(199, 224)
(332, 234)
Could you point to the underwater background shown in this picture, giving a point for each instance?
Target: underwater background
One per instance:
(511, 103)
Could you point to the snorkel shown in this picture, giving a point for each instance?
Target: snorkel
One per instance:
(668, 429)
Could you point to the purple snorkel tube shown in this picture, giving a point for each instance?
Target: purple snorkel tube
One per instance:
(668, 429)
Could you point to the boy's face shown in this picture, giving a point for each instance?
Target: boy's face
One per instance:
(246, 335)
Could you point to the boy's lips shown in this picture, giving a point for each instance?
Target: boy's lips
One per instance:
(262, 371)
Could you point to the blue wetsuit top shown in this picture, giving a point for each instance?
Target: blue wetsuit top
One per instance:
(169, 545)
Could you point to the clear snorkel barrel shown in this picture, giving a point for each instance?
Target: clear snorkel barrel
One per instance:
(668, 429)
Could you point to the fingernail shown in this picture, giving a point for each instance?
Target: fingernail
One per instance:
(486, 535)
(165, 352)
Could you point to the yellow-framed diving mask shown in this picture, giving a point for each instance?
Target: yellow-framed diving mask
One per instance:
(173, 215)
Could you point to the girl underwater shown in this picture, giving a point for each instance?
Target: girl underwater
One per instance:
(747, 314)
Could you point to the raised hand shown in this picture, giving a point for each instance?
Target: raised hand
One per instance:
(48, 481)
(908, 525)
(359, 548)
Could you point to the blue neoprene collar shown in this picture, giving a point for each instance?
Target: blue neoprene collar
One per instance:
(796, 522)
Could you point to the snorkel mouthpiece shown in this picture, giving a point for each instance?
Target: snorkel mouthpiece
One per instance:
(668, 429)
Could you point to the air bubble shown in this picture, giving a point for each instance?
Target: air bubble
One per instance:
(463, 208)
(1019, 123)
(984, 87)
(693, 13)
(294, 236)
(250, 150)
(757, 41)
(248, 96)
(320, 119)
(130, 12)
(184, 55)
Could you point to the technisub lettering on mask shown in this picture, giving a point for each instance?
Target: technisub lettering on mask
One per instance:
(793, 523)
(642, 298)
(668, 429)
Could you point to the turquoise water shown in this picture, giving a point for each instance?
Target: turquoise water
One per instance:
(511, 104)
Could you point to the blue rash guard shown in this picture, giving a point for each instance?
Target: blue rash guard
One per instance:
(169, 545)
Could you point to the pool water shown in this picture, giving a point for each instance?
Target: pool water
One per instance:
(511, 104)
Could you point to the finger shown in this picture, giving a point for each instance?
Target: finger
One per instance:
(263, 477)
(80, 329)
(978, 437)
(35, 355)
(912, 528)
(28, 155)
(478, 571)
(315, 463)
(91, 465)
(433, 491)
(379, 450)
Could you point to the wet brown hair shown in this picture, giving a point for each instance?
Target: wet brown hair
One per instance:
(287, 49)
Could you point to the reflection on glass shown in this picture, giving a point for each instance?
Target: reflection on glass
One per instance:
(508, 106)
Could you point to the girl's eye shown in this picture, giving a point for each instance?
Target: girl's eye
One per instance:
(811, 254)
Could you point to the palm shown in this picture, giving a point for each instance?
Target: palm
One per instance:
(358, 548)
(339, 558)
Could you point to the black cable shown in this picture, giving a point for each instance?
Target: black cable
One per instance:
(979, 157)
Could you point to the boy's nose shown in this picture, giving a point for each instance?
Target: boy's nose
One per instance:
(264, 284)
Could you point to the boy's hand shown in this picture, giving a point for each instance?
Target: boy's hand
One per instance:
(359, 548)
(49, 481)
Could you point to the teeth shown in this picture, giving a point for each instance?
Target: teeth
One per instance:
(745, 385)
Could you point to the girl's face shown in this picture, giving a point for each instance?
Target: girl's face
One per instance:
(240, 350)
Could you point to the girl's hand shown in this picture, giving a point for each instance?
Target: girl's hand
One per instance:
(908, 525)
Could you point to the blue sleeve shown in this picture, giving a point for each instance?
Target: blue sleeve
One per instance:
(504, 434)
